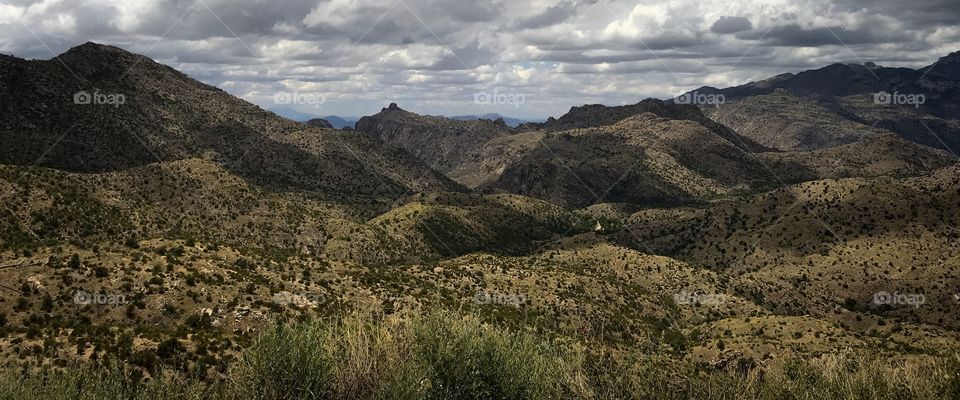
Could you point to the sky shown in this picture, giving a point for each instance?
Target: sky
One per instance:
(528, 59)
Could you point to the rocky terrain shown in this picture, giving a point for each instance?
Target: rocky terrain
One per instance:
(655, 152)
(837, 104)
(69, 116)
(169, 230)
(448, 145)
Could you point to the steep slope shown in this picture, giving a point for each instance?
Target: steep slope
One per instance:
(198, 199)
(914, 124)
(447, 145)
(947, 66)
(877, 155)
(808, 248)
(597, 115)
(477, 153)
(787, 122)
(871, 95)
(99, 108)
(643, 159)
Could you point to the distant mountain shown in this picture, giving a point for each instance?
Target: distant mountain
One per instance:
(335, 121)
(785, 121)
(341, 122)
(292, 114)
(653, 153)
(947, 66)
(511, 122)
(824, 107)
(643, 159)
(319, 123)
(597, 115)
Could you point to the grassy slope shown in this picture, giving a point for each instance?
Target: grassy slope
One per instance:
(449, 356)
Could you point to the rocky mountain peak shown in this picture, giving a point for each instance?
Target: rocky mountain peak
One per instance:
(947, 66)
(103, 62)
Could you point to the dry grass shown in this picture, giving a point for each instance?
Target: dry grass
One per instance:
(450, 356)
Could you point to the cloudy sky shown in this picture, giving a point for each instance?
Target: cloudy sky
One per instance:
(538, 57)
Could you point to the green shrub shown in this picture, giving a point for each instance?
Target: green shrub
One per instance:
(448, 356)
(436, 356)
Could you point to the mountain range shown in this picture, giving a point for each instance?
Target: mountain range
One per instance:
(789, 204)
(511, 122)
(836, 104)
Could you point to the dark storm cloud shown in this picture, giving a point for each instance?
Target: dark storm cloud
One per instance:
(794, 35)
(667, 41)
(467, 57)
(400, 21)
(916, 13)
(726, 25)
(553, 15)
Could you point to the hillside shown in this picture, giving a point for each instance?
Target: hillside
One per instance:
(597, 115)
(643, 159)
(197, 199)
(787, 122)
(841, 102)
(655, 249)
(672, 155)
(444, 144)
(167, 116)
(808, 248)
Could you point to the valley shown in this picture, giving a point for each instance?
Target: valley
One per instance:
(172, 232)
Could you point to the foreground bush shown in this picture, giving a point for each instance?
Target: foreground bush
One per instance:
(447, 356)
(439, 356)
